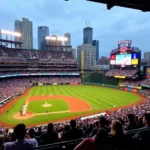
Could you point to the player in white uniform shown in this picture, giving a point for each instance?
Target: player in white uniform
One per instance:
(125, 60)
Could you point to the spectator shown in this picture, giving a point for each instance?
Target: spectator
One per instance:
(50, 136)
(104, 124)
(21, 143)
(117, 139)
(89, 129)
(32, 133)
(66, 129)
(74, 133)
(96, 123)
(98, 142)
(143, 138)
(132, 123)
(39, 132)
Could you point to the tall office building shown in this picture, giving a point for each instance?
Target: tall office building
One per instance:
(26, 30)
(73, 52)
(43, 31)
(68, 36)
(89, 56)
(96, 43)
(18, 28)
(147, 56)
(104, 61)
(87, 35)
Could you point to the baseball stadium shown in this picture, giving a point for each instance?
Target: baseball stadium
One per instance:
(48, 102)
(39, 87)
(46, 86)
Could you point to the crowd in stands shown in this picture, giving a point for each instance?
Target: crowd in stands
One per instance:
(41, 56)
(52, 71)
(146, 82)
(136, 83)
(121, 72)
(131, 83)
(12, 87)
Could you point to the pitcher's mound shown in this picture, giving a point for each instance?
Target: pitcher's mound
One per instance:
(27, 116)
(46, 105)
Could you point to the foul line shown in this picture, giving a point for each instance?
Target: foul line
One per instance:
(37, 114)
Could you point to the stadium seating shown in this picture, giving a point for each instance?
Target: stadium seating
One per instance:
(121, 72)
(146, 82)
(20, 55)
(131, 83)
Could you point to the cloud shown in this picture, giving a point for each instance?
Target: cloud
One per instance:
(109, 26)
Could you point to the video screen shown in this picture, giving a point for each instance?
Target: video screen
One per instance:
(112, 62)
(123, 59)
(135, 60)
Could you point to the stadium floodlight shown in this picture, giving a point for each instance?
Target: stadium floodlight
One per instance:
(53, 38)
(50, 38)
(62, 39)
(11, 33)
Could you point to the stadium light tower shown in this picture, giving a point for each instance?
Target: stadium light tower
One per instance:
(10, 34)
(53, 38)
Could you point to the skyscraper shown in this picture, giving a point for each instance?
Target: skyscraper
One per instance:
(96, 43)
(43, 31)
(68, 36)
(87, 35)
(25, 28)
(147, 56)
(89, 56)
(73, 52)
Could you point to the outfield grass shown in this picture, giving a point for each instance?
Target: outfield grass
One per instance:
(90, 94)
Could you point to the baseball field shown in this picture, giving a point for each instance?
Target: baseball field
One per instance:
(62, 102)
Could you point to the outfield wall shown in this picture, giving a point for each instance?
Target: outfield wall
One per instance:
(99, 77)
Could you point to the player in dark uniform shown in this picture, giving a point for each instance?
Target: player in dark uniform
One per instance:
(47, 112)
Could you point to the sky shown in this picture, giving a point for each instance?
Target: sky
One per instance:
(109, 26)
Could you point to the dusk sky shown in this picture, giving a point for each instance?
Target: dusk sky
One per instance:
(109, 26)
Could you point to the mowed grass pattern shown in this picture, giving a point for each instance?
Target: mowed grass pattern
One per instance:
(108, 98)
(91, 94)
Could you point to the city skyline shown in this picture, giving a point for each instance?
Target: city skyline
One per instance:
(109, 25)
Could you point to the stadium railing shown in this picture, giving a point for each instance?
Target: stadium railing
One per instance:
(134, 142)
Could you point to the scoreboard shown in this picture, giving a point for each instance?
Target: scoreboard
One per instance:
(125, 56)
